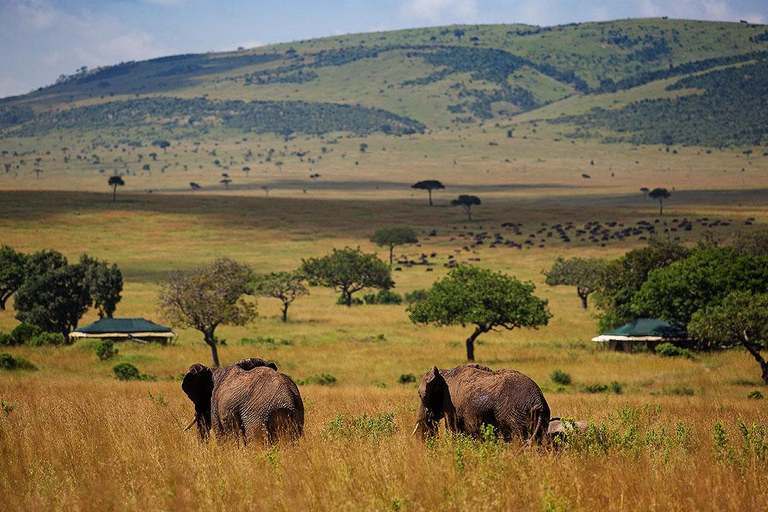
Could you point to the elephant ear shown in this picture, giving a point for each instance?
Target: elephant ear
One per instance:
(254, 362)
(198, 385)
(435, 391)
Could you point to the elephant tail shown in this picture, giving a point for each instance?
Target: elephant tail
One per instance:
(539, 424)
(285, 424)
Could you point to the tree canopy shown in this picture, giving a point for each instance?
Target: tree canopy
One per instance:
(661, 194)
(208, 296)
(393, 236)
(466, 202)
(13, 271)
(285, 286)
(429, 186)
(114, 182)
(105, 284)
(348, 271)
(583, 273)
(488, 300)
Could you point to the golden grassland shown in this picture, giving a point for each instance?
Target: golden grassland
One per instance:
(72, 437)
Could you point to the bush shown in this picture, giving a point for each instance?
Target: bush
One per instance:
(416, 296)
(383, 297)
(755, 395)
(8, 362)
(324, 379)
(371, 427)
(6, 340)
(24, 332)
(613, 387)
(670, 350)
(560, 377)
(265, 341)
(106, 349)
(355, 301)
(407, 378)
(126, 371)
(47, 338)
(676, 391)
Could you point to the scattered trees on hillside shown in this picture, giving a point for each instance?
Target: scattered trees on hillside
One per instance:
(394, 236)
(348, 271)
(583, 273)
(488, 300)
(13, 271)
(466, 202)
(429, 186)
(208, 296)
(285, 286)
(114, 182)
(661, 194)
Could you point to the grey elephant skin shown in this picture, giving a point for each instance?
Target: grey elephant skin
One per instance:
(249, 401)
(471, 395)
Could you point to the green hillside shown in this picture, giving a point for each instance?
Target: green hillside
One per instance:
(440, 78)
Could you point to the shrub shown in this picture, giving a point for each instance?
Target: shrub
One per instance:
(676, 391)
(613, 387)
(560, 377)
(355, 301)
(126, 371)
(8, 362)
(383, 297)
(371, 427)
(755, 395)
(416, 296)
(324, 379)
(265, 341)
(670, 350)
(106, 349)
(6, 340)
(24, 332)
(407, 378)
(47, 338)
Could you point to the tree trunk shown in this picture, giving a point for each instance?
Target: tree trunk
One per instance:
(347, 298)
(391, 253)
(469, 213)
(764, 367)
(661, 208)
(211, 341)
(583, 296)
(3, 299)
(430, 196)
(471, 345)
(285, 311)
(755, 351)
(114, 193)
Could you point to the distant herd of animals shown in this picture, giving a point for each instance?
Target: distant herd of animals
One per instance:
(250, 401)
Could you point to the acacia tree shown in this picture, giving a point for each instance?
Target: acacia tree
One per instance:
(582, 273)
(13, 268)
(661, 194)
(741, 318)
(429, 186)
(393, 236)
(285, 286)
(466, 202)
(488, 300)
(206, 297)
(348, 271)
(114, 182)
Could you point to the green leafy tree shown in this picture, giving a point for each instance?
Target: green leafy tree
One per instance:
(114, 182)
(619, 280)
(706, 277)
(394, 236)
(661, 194)
(348, 271)
(163, 144)
(105, 283)
(206, 297)
(583, 273)
(740, 319)
(488, 300)
(429, 186)
(284, 286)
(466, 202)
(55, 300)
(13, 270)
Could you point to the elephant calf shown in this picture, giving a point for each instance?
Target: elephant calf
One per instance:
(248, 400)
(471, 395)
(559, 428)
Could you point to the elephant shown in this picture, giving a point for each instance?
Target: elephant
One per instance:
(471, 395)
(558, 428)
(248, 400)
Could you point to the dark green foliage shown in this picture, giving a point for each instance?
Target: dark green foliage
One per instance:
(429, 186)
(614, 387)
(466, 202)
(406, 378)
(23, 333)
(114, 182)
(354, 301)
(488, 300)
(12, 116)
(285, 286)
(105, 349)
(9, 362)
(583, 273)
(126, 371)
(324, 379)
(393, 236)
(560, 377)
(13, 268)
(6, 340)
(755, 395)
(48, 338)
(670, 350)
(383, 297)
(661, 194)
(348, 271)
(621, 279)
(105, 284)
(416, 296)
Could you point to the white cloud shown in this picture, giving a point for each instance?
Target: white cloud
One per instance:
(35, 14)
(437, 11)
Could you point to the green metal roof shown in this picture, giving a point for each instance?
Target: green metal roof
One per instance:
(649, 327)
(122, 325)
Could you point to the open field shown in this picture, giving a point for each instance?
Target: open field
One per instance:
(78, 439)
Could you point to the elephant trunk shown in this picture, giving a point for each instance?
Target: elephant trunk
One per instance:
(203, 422)
(425, 428)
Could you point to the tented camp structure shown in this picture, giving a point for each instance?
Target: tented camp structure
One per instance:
(136, 329)
(644, 333)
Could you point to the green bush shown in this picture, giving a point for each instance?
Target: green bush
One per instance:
(371, 427)
(560, 377)
(613, 387)
(670, 350)
(383, 297)
(676, 391)
(755, 395)
(6, 340)
(355, 301)
(24, 332)
(106, 349)
(265, 341)
(47, 338)
(324, 379)
(407, 378)
(416, 296)
(126, 371)
(8, 362)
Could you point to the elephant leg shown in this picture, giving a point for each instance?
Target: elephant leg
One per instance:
(282, 425)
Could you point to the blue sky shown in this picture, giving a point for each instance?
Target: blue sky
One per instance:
(41, 39)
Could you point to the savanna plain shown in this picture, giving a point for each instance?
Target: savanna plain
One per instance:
(680, 434)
